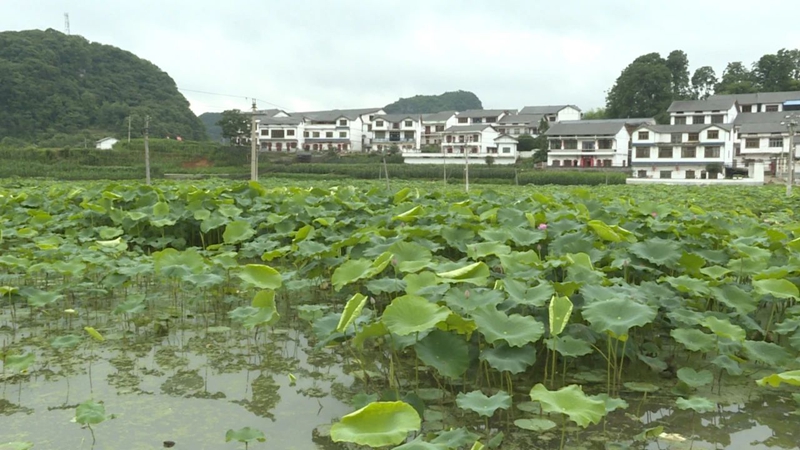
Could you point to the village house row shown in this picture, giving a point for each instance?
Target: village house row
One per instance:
(725, 130)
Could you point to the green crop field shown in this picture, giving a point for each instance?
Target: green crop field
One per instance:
(420, 317)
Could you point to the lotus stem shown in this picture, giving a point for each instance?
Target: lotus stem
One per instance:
(563, 431)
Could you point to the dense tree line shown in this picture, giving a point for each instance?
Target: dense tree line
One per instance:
(650, 83)
(52, 83)
(210, 120)
(424, 104)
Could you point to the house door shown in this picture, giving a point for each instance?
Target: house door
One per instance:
(586, 162)
(773, 165)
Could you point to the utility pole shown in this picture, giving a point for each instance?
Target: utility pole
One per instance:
(791, 123)
(66, 24)
(466, 165)
(147, 149)
(253, 148)
(129, 129)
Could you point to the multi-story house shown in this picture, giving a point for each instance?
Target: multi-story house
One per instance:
(764, 137)
(553, 113)
(590, 143)
(472, 143)
(681, 151)
(341, 130)
(518, 124)
(280, 134)
(401, 130)
(433, 126)
(762, 102)
(476, 116)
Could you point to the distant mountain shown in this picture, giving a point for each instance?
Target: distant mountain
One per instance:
(52, 83)
(213, 130)
(423, 104)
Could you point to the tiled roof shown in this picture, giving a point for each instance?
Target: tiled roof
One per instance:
(547, 109)
(522, 118)
(585, 128)
(761, 97)
(467, 128)
(712, 104)
(438, 117)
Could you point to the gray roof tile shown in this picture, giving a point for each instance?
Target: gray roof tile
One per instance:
(547, 109)
(761, 97)
(585, 128)
(720, 104)
(533, 119)
(438, 117)
(467, 128)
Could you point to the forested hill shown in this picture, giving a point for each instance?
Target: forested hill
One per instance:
(213, 130)
(52, 83)
(423, 104)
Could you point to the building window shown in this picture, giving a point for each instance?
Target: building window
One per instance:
(555, 145)
(342, 122)
(665, 152)
(316, 134)
(477, 120)
(265, 132)
(342, 134)
(644, 135)
(491, 119)
(690, 175)
(409, 135)
(506, 150)
(277, 134)
(747, 108)
(378, 123)
(605, 144)
(567, 163)
(290, 132)
(698, 120)
(556, 163)
(463, 120)
(752, 143)
(665, 174)
(641, 174)
(694, 137)
(712, 134)
(570, 144)
(516, 131)
(409, 123)
(643, 152)
(329, 134)
(680, 120)
(712, 152)
(718, 118)
(553, 119)
(771, 108)
(776, 142)
(587, 145)
(439, 128)
(606, 163)
(676, 138)
(689, 152)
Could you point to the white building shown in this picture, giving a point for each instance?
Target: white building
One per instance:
(763, 138)
(106, 143)
(433, 126)
(518, 124)
(280, 134)
(473, 142)
(554, 113)
(481, 116)
(401, 130)
(762, 102)
(340, 130)
(590, 143)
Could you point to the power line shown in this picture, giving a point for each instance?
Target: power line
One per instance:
(231, 96)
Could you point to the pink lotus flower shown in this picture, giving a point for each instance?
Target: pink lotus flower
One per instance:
(542, 226)
(654, 214)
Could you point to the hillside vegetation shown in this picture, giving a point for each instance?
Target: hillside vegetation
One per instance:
(422, 104)
(54, 84)
(213, 130)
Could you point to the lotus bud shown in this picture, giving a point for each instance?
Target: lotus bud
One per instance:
(466, 293)
(542, 226)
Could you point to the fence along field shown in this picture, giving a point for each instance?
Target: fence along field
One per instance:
(516, 318)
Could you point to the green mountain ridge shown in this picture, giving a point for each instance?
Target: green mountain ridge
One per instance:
(210, 120)
(424, 104)
(56, 84)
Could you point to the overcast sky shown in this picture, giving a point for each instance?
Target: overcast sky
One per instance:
(325, 54)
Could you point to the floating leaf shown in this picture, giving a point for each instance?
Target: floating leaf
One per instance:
(377, 424)
(513, 360)
(17, 445)
(19, 363)
(413, 314)
(90, 413)
(537, 425)
(570, 400)
(640, 387)
(477, 402)
(697, 404)
(67, 341)
(245, 434)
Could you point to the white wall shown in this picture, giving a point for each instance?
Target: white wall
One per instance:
(107, 144)
(568, 113)
(618, 153)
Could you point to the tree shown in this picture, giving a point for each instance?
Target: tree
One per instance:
(778, 72)
(736, 79)
(703, 82)
(678, 64)
(235, 125)
(643, 89)
(595, 114)
(540, 143)
(526, 143)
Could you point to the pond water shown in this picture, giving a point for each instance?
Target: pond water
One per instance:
(192, 384)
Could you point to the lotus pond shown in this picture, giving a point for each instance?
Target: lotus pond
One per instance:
(245, 315)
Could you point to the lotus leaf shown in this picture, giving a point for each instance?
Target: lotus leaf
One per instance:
(478, 402)
(39, 298)
(446, 352)
(723, 328)
(515, 329)
(18, 363)
(351, 311)
(658, 251)
(245, 434)
(560, 310)
(350, 271)
(768, 353)
(238, 231)
(640, 387)
(90, 413)
(16, 446)
(476, 273)
(611, 403)
(734, 297)
(377, 424)
(419, 444)
(570, 400)
(569, 346)
(504, 358)
(67, 341)
(694, 378)
(693, 340)
(537, 425)
(791, 378)
(456, 438)
(777, 288)
(261, 276)
(94, 334)
(649, 433)
(413, 314)
(696, 404)
(618, 316)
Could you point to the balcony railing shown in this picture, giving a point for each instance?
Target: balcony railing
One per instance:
(393, 140)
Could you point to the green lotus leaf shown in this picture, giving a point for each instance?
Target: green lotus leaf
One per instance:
(658, 251)
(410, 215)
(373, 330)
(67, 341)
(18, 363)
(605, 232)
(377, 424)
(484, 249)
(560, 310)
(90, 413)
(17, 445)
(791, 378)
(611, 404)
(133, 305)
(350, 271)
(694, 378)
(655, 364)
(261, 276)
(412, 314)
(477, 402)
(94, 334)
(419, 444)
(618, 316)
(570, 400)
(640, 387)
(351, 311)
(733, 297)
(386, 286)
(39, 298)
(476, 273)
(715, 272)
(456, 438)
(303, 233)
(768, 353)
(171, 262)
(245, 434)
(261, 316)
(649, 433)
(513, 360)
(696, 404)
(515, 329)
(728, 364)
(446, 352)
(723, 328)
(689, 285)
(694, 340)
(777, 288)
(537, 425)
(569, 346)
(237, 231)
(418, 281)
(410, 256)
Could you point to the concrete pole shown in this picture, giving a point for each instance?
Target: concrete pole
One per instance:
(253, 147)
